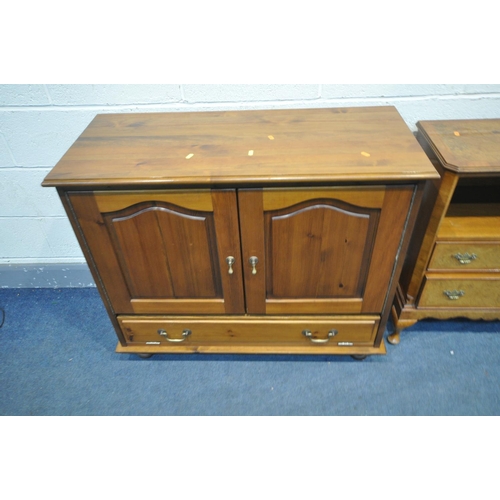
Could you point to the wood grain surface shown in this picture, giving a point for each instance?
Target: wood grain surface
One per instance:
(237, 331)
(455, 272)
(484, 256)
(326, 199)
(157, 257)
(309, 145)
(465, 146)
(477, 291)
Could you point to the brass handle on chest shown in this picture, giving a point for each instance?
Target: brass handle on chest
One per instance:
(185, 334)
(308, 334)
(454, 294)
(465, 258)
(253, 262)
(230, 262)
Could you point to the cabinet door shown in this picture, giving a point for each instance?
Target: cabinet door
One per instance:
(321, 251)
(164, 251)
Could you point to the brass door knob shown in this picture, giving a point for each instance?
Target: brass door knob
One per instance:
(230, 262)
(253, 262)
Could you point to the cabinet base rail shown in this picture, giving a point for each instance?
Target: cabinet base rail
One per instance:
(253, 349)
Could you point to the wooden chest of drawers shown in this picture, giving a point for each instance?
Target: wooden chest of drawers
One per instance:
(454, 269)
(277, 231)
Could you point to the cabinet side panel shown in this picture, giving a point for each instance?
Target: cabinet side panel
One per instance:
(447, 187)
(391, 227)
(418, 251)
(428, 200)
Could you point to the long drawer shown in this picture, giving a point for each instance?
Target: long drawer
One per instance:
(465, 256)
(479, 291)
(187, 333)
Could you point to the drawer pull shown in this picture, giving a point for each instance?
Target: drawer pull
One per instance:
(465, 258)
(454, 294)
(308, 334)
(253, 262)
(230, 262)
(185, 334)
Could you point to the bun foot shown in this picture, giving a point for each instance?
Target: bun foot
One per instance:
(359, 357)
(144, 355)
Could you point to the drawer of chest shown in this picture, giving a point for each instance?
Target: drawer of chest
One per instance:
(189, 332)
(465, 256)
(480, 291)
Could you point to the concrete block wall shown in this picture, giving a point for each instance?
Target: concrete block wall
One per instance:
(38, 123)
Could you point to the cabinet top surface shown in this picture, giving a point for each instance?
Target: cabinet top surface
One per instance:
(265, 146)
(465, 146)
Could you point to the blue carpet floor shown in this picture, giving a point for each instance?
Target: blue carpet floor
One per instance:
(57, 358)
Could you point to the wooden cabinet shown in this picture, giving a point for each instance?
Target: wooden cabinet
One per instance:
(455, 268)
(256, 231)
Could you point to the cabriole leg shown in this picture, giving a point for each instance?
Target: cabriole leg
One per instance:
(401, 324)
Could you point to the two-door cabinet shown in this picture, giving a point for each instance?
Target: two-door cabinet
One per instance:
(279, 231)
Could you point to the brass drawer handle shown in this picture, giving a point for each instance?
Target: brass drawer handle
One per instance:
(253, 262)
(230, 262)
(185, 334)
(465, 258)
(454, 294)
(308, 334)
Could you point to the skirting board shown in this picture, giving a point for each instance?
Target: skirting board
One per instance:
(45, 276)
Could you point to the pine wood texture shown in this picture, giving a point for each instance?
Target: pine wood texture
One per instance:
(480, 290)
(307, 145)
(314, 208)
(250, 205)
(318, 254)
(442, 202)
(364, 196)
(450, 256)
(229, 245)
(252, 335)
(462, 220)
(318, 248)
(263, 348)
(465, 146)
(192, 199)
(75, 224)
(474, 227)
(166, 252)
(96, 240)
(156, 257)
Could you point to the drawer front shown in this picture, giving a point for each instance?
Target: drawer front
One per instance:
(189, 332)
(482, 293)
(464, 256)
